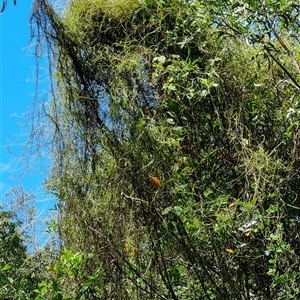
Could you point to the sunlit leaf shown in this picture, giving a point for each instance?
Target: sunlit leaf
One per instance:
(229, 250)
(6, 267)
(140, 124)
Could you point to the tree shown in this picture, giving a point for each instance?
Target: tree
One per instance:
(175, 146)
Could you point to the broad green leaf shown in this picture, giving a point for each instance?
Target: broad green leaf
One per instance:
(6, 267)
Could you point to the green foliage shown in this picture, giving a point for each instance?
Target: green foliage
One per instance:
(175, 154)
(66, 281)
(19, 273)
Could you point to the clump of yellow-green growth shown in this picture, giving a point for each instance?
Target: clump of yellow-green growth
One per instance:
(86, 16)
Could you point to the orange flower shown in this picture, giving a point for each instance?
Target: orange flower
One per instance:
(156, 181)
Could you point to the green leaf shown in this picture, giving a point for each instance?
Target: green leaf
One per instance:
(204, 93)
(84, 289)
(161, 59)
(208, 192)
(170, 121)
(167, 210)
(171, 87)
(6, 267)
(140, 124)
(11, 281)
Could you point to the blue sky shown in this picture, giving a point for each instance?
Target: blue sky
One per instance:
(17, 89)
